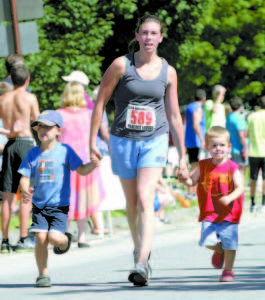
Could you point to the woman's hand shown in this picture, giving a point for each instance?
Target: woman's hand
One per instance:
(183, 170)
(95, 153)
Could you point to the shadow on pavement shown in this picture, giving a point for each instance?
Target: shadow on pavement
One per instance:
(246, 279)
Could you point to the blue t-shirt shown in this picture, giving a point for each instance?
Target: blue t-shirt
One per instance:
(192, 140)
(235, 122)
(49, 173)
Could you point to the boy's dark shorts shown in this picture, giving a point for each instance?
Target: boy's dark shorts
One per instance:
(49, 218)
(255, 164)
(14, 152)
(193, 154)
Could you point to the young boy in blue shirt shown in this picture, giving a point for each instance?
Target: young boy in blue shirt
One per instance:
(46, 181)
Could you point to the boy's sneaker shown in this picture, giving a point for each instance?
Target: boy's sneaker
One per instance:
(43, 281)
(57, 250)
(139, 276)
(27, 245)
(5, 248)
(218, 260)
(227, 276)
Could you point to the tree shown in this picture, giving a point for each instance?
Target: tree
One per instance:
(71, 35)
(208, 42)
(230, 49)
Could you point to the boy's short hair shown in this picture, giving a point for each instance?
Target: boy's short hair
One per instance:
(12, 61)
(262, 102)
(5, 88)
(215, 132)
(235, 103)
(19, 75)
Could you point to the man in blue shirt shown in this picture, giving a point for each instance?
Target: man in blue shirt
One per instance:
(236, 125)
(195, 132)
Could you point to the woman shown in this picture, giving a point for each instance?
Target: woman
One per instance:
(146, 102)
(86, 191)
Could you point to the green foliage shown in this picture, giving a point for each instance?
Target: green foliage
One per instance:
(208, 42)
(230, 49)
(71, 35)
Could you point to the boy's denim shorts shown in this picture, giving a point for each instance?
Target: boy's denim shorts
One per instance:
(127, 156)
(226, 232)
(49, 219)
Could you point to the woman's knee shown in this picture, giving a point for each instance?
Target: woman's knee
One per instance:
(146, 203)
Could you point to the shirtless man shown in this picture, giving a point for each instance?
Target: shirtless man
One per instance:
(17, 109)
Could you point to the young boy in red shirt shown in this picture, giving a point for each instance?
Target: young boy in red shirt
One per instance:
(220, 196)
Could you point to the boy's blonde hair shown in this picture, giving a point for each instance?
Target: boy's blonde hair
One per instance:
(5, 88)
(216, 132)
(73, 95)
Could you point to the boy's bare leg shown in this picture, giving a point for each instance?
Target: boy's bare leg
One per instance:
(230, 256)
(41, 252)
(58, 239)
(24, 214)
(7, 202)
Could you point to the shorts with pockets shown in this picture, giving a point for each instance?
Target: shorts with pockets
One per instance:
(49, 219)
(226, 232)
(255, 164)
(14, 152)
(127, 156)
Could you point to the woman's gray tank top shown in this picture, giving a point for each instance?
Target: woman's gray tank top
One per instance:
(140, 110)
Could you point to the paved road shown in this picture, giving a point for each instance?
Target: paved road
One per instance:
(182, 269)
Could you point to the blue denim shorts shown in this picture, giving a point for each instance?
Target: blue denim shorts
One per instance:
(49, 219)
(226, 232)
(127, 156)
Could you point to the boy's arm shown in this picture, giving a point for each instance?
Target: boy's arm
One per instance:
(85, 169)
(26, 191)
(237, 192)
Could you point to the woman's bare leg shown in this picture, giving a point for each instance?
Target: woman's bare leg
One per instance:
(130, 191)
(147, 179)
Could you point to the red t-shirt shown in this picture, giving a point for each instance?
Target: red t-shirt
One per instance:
(215, 182)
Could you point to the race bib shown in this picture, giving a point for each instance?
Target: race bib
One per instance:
(140, 118)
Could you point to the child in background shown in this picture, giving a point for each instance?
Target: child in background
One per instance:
(220, 197)
(46, 181)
